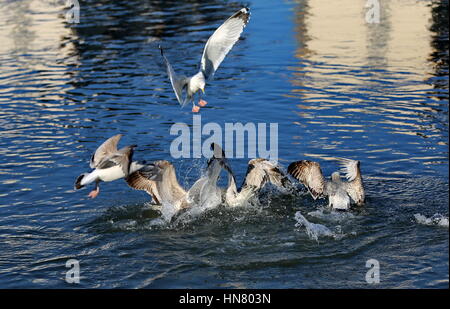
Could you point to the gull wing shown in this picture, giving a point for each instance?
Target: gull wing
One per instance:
(260, 171)
(121, 157)
(159, 180)
(144, 179)
(354, 186)
(310, 175)
(350, 168)
(178, 82)
(221, 42)
(107, 149)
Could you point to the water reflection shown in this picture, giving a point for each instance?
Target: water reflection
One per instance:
(439, 43)
(366, 78)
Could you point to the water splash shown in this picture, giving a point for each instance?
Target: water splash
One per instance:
(437, 219)
(313, 230)
(168, 211)
(331, 216)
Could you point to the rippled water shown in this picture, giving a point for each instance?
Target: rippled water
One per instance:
(336, 85)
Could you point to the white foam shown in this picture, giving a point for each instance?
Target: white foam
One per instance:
(168, 211)
(126, 225)
(157, 222)
(437, 219)
(332, 216)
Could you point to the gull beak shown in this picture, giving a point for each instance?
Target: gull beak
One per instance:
(203, 90)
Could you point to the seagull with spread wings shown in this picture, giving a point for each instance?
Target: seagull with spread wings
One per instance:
(109, 164)
(340, 194)
(159, 180)
(216, 48)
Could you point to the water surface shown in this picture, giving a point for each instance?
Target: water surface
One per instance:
(336, 85)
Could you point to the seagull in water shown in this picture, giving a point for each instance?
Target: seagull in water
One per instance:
(259, 172)
(216, 48)
(340, 194)
(109, 164)
(159, 180)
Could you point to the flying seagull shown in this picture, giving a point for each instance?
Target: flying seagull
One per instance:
(109, 164)
(340, 194)
(216, 48)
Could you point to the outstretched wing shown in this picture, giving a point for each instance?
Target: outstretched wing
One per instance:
(310, 175)
(107, 149)
(221, 42)
(145, 179)
(350, 168)
(178, 82)
(260, 171)
(354, 186)
(122, 158)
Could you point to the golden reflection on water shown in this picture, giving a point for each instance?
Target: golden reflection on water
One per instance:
(342, 57)
(337, 29)
(32, 25)
(37, 69)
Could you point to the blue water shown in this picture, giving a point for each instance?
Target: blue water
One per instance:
(336, 86)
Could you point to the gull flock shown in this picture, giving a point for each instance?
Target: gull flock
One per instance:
(159, 178)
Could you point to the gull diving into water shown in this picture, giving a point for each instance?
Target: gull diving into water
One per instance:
(216, 48)
(340, 194)
(109, 164)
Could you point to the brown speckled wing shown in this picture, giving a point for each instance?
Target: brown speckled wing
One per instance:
(138, 181)
(310, 175)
